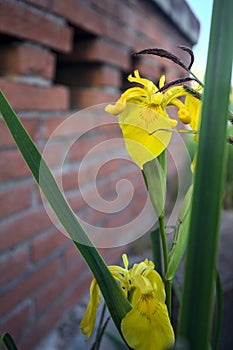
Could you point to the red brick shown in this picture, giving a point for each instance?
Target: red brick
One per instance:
(31, 124)
(41, 327)
(90, 75)
(14, 199)
(27, 60)
(76, 11)
(12, 165)
(72, 256)
(55, 153)
(76, 125)
(51, 124)
(100, 51)
(17, 322)
(40, 3)
(117, 9)
(112, 256)
(70, 180)
(23, 21)
(98, 23)
(89, 97)
(46, 244)
(28, 286)
(78, 291)
(84, 145)
(24, 97)
(14, 232)
(76, 201)
(150, 68)
(58, 288)
(13, 265)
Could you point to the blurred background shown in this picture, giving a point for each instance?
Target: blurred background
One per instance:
(58, 58)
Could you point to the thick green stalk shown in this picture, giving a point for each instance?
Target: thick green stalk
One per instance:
(163, 236)
(154, 173)
(162, 158)
(197, 298)
(156, 250)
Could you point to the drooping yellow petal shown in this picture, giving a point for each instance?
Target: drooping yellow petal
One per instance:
(147, 325)
(194, 106)
(88, 322)
(145, 131)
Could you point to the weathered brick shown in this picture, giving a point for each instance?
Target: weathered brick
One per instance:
(13, 265)
(55, 153)
(58, 288)
(98, 23)
(20, 20)
(21, 59)
(45, 244)
(29, 285)
(70, 180)
(72, 256)
(13, 165)
(100, 51)
(150, 68)
(84, 145)
(31, 124)
(90, 75)
(88, 97)
(17, 322)
(76, 201)
(40, 3)
(113, 255)
(16, 231)
(51, 124)
(75, 11)
(75, 125)
(48, 320)
(24, 97)
(9, 199)
(117, 9)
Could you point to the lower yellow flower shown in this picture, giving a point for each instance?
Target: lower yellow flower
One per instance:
(147, 325)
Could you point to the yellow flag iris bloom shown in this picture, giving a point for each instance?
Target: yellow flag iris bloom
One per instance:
(147, 325)
(143, 118)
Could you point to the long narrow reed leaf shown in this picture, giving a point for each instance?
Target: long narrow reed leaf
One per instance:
(197, 299)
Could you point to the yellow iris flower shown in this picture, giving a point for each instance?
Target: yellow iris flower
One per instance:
(143, 118)
(147, 325)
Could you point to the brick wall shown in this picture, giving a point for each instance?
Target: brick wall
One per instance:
(57, 57)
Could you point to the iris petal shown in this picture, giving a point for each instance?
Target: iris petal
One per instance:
(145, 131)
(147, 325)
(88, 322)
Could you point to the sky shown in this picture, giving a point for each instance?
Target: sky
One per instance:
(203, 10)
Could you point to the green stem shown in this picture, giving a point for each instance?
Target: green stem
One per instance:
(168, 284)
(164, 242)
(156, 250)
(162, 158)
(168, 290)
